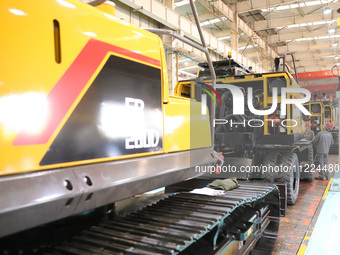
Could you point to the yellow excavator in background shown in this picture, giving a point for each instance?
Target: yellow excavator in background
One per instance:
(323, 114)
(250, 141)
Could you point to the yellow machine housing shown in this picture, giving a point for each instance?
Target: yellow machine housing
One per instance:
(87, 120)
(317, 117)
(321, 114)
(86, 115)
(329, 113)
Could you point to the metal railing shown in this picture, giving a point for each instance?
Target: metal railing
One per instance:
(202, 48)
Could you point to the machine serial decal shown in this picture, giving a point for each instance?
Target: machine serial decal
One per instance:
(68, 88)
(120, 114)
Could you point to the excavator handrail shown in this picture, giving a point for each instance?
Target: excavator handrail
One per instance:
(202, 48)
(284, 64)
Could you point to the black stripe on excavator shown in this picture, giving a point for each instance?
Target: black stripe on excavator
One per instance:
(120, 114)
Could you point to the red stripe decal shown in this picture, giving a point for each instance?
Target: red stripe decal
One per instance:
(66, 91)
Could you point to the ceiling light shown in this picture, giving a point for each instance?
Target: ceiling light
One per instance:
(293, 25)
(319, 22)
(224, 37)
(323, 37)
(183, 60)
(205, 23)
(282, 7)
(181, 3)
(312, 3)
(327, 10)
(331, 31)
(267, 10)
(248, 47)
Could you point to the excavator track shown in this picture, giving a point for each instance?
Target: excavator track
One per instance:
(187, 223)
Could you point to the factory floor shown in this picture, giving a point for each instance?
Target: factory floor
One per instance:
(297, 226)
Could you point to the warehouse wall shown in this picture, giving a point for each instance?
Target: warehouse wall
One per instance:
(134, 17)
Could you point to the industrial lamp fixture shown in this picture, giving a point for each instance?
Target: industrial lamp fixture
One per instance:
(327, 10)
(331, 30)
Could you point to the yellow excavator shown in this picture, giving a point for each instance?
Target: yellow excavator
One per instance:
(323, 114)
(86, 120)
(258, 146)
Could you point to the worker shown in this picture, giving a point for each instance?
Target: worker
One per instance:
(315, 127)
(322, 142)
(309, 135)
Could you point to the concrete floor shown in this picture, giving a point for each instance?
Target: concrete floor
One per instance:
(301, 217)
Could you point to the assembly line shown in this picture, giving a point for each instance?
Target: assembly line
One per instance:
(169, 127)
